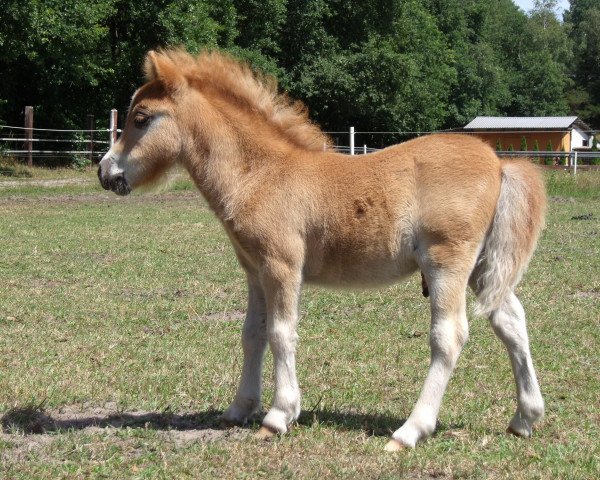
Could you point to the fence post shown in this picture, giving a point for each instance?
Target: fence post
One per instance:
(113, 127)
(351, 140)
(575, 163)
(29, 134)
(90, 126)
(364, 149)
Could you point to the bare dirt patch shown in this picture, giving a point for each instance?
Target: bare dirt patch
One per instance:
(590, 294)
(232, 316)
(29, 428)
(102, 197)
(46, 183)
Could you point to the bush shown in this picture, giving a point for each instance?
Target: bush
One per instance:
(524, 147)
(9, 167)
(80, 163)
(549, 148)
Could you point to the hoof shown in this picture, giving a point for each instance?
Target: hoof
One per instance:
(512, 431)
(394, 446)
(228, 423)
(265, 433)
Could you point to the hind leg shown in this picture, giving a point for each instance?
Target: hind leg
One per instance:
(509, 324)
(449, 332)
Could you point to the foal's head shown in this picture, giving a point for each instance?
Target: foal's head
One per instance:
(153, 138)
(192, 107)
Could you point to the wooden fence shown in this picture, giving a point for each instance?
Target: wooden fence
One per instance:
(28, 137)
(95, 146)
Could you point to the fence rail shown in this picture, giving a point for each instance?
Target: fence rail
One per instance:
(25, 135)
(96, 147)
(49, 140)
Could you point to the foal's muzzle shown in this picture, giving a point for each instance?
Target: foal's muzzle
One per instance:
(117, 183)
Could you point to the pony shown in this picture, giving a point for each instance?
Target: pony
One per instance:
(297, 212)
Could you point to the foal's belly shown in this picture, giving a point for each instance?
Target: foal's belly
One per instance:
(359, 269)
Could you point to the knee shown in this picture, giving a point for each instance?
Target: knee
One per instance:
(282, 339)
(448, 347)
(509, 328)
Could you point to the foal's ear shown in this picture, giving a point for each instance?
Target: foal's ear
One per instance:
(158, 66)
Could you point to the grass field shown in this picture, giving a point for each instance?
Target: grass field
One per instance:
(120, 321)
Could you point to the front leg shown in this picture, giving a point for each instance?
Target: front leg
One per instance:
(254, 340)
(281, 283)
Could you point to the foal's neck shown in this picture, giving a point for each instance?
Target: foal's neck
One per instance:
(229, 166)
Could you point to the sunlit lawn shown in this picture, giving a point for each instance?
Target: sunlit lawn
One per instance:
(121, 317)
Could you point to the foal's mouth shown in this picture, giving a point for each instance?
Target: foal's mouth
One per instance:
(117, 184)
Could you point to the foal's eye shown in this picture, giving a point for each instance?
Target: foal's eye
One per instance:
(141, 119)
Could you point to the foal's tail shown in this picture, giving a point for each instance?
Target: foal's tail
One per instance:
(513, 235)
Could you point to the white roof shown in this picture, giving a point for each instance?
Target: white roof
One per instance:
(535, 123)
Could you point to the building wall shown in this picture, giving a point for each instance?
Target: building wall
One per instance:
(578, 138)
(561, 141)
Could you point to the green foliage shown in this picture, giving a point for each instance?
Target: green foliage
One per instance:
(549, 160)
(523, 146)
(418, 66)
(498, 145)
(583, 23)
(536, 146)
(79, 162)
(9, 167)
(510, 148)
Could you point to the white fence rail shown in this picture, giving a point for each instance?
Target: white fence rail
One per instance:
(12, 137)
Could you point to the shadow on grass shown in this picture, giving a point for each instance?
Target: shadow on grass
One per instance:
(372, 425)
(30, 420)
(35, 420)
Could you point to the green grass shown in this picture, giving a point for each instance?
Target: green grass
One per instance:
(13, 169)
(120, 321)
(581, 185)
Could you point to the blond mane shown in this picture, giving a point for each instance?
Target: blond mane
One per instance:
(252, 91)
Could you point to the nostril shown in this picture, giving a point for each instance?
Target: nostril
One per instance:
(103, 181)
(120, 185)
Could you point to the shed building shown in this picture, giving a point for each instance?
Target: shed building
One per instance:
(559, 134)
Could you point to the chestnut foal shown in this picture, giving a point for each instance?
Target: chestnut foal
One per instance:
(295, 213)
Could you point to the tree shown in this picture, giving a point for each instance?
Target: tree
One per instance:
(539, 79)
(52, 63)
(420, 66)
(259, 27)
(390, 75)
(583, 20)
(549, 148)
